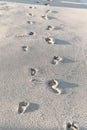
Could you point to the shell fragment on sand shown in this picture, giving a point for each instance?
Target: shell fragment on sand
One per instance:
(23, 106)
(54, 85)
(56, 59)
(72, 126)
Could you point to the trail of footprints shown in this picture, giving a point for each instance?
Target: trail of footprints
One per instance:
(55, 60)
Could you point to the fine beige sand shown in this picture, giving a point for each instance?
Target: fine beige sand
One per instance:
(41, 42)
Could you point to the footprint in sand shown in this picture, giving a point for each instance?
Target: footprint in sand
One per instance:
(44, 17)
(54, 85)
(56, 60)
(33, 71)
(31, 33)
(23, 106)
(37, 2)
(30, 7)
(25, 48)
(30, 14)
(72, 126)
(29, 22)
(46, 4)
(48, 11)
(50, 27)
(49, 40)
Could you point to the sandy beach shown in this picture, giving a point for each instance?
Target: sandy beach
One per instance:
(43, 64)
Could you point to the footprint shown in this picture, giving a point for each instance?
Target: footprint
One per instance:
(44, 17)
(31, 33)
(54, 85)
(29, 22)
(56, 60)
(50, 27)
(30, 14)
(23, 106)
(46, 4)
(49, 40)
(33, 71)
(72, 126)
(25, 48)
(30, 7)
(48, 11)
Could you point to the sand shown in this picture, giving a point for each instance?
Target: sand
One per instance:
(47, 110)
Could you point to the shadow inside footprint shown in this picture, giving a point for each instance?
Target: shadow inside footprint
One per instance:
(61, 42)
(66, 85)
(66, 60)
(32, 107)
